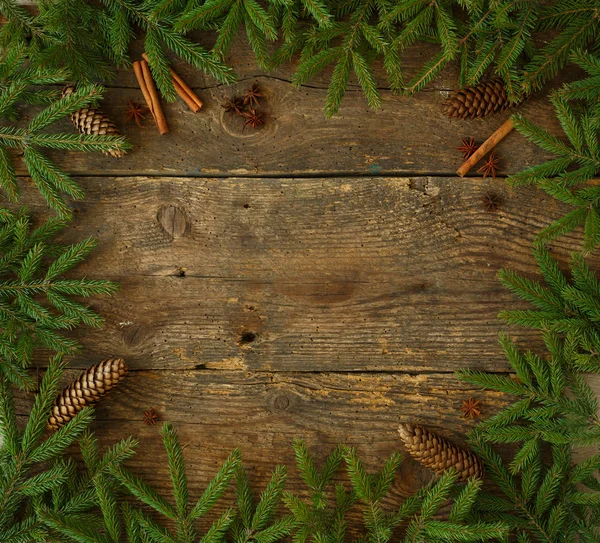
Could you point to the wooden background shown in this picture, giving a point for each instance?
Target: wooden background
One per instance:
(314, 278)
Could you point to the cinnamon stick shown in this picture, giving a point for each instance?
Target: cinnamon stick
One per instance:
(137, 70)
(159, 117)
(186, 97)
(183, 90)
(486, 147)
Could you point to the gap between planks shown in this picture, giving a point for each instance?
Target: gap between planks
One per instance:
(342, 175)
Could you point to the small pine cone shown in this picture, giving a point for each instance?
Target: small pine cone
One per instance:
(90, 120)
(484, 99)
(94, 383)
(438, 454)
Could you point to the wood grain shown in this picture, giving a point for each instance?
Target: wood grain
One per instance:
(262, 413)
(406, 136)
(316, 278)
(243, 61)
(353, 274)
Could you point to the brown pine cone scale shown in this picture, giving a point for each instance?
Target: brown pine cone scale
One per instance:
(94, 383)
(438, 454)
(486, 98)
(90, 120)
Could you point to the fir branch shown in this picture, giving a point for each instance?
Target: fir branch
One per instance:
(585, 89)
(31, 269)
(320, 518)
(558, 178)
(182, 514)
(24, 479)
(51, 182)
(574, 311)
(257, 524)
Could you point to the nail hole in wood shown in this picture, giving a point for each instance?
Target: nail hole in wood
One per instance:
(247, 337)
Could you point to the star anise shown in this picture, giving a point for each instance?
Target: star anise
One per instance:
(253, 118)
(136, 112)
(491, 201)
(234, 105)
(491, 166)
(470, 408)
(150, 417)
(253, 95)
(468, 147)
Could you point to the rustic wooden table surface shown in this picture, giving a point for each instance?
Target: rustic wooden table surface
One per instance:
(314, 278)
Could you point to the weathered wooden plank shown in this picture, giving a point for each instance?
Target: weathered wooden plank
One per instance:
(407, 136)
(320, 325)
(262, 414)
(243, 61)
(355, 274)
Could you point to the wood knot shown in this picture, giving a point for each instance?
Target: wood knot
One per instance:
(281, 402)
(173, 221)
(278, 400)
(134, 335)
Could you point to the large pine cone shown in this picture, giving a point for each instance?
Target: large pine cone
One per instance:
(94, 383)
(90, 120)
(486, 98)
(438, 454)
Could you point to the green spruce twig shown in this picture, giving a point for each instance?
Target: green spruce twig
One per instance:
(35, 300)
(19, 81)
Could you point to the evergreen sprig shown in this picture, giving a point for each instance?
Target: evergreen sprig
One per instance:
(577, 26)
(71, 512)
(587, 89)
(257, 523)
(568, 176)
(350, 45)
(502, 36)
(554, 408)
(420, 511)
(42, 493)
(183, 514)
(36, 482)
(544, 497)
(88, 39)
(20, 81)
(228, 16)
(156, 18)
(544, 412)
(323, 517)
(36, 303)
(569, 307)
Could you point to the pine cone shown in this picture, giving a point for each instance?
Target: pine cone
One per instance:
(94, 383)
(484, 99)
(438, 454)
(90, 120)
